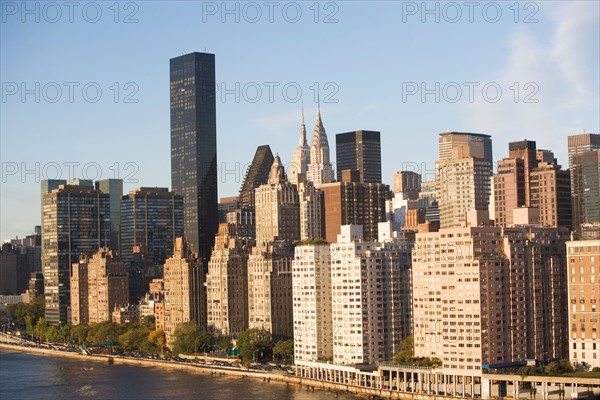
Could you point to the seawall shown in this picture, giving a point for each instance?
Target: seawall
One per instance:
(309, 384)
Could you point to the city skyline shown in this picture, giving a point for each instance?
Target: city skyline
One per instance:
(508, 52)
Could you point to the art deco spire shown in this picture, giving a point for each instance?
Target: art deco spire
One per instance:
(302, 131)
(301, 157)
(319, 169)
(319, 148)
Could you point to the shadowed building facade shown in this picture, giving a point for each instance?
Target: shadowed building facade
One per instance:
(76, 221)
(185, 293)
(98, 284)
(151, 218)
(227, 283)
(351, 202)
(257, 174)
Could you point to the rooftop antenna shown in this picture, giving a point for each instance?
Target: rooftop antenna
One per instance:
(318, 101)
(302, 112)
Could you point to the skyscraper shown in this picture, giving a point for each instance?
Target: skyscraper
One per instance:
(76, 222)
(185, 293)
(361, 151)
(320, 169)
(194, 147)
(152, 218)
(585, 188)
(301, 157)
(582, 261)
(582, 143)
(227, 283)
(14, 270)
(311, 285)
(98, 284)
(352, 302)
(531, 178)
(257, 174)
(48, 185)
(479, 145)
(350, 202)
(114, 189)
(277, 207)
(463, 174)
(270, 297)
(408, 183)
(469, 309)
(311, 211)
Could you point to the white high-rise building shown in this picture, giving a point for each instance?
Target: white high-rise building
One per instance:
(301, 157)
(320, 169)
(311, 276)
(370, 284)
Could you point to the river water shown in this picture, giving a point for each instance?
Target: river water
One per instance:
(33, 377)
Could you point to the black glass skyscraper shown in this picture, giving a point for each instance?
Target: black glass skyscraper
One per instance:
(361, 151)
(194, 147)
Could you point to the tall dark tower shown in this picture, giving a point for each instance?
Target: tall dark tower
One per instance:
(194, 147)
(361, 151)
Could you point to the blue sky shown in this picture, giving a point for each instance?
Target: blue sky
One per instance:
(408, 69)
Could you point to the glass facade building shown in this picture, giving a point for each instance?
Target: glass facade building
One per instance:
(76, 221)
(194, 147)
(361, 151)
(114, 189)
(151, 218)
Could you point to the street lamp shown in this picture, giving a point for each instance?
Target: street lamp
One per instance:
(254, 355)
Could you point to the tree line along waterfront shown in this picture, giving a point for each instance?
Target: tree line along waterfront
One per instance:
(143, 337)
(252, 345)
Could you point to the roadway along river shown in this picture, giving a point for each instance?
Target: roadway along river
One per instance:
(32, 377)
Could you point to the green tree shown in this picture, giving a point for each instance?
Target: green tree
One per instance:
(34, 311)
(29, 324)
(53, 334)
(65, 333)
(134, 338)
(558, 368)
(406, 351)
(157, 339)
(565, 366)
(4, 314)
(406, 356)
(40, 329)
(102, 332)
(149, 321)
(284, 348)
(224, 343)
(190, 339)
(79, 333)
(254, 344)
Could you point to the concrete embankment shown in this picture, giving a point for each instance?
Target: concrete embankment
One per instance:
(308, 384)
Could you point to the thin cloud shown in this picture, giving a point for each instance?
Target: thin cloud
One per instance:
(549, 84)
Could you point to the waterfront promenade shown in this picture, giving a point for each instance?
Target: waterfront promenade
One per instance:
(376, 387)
